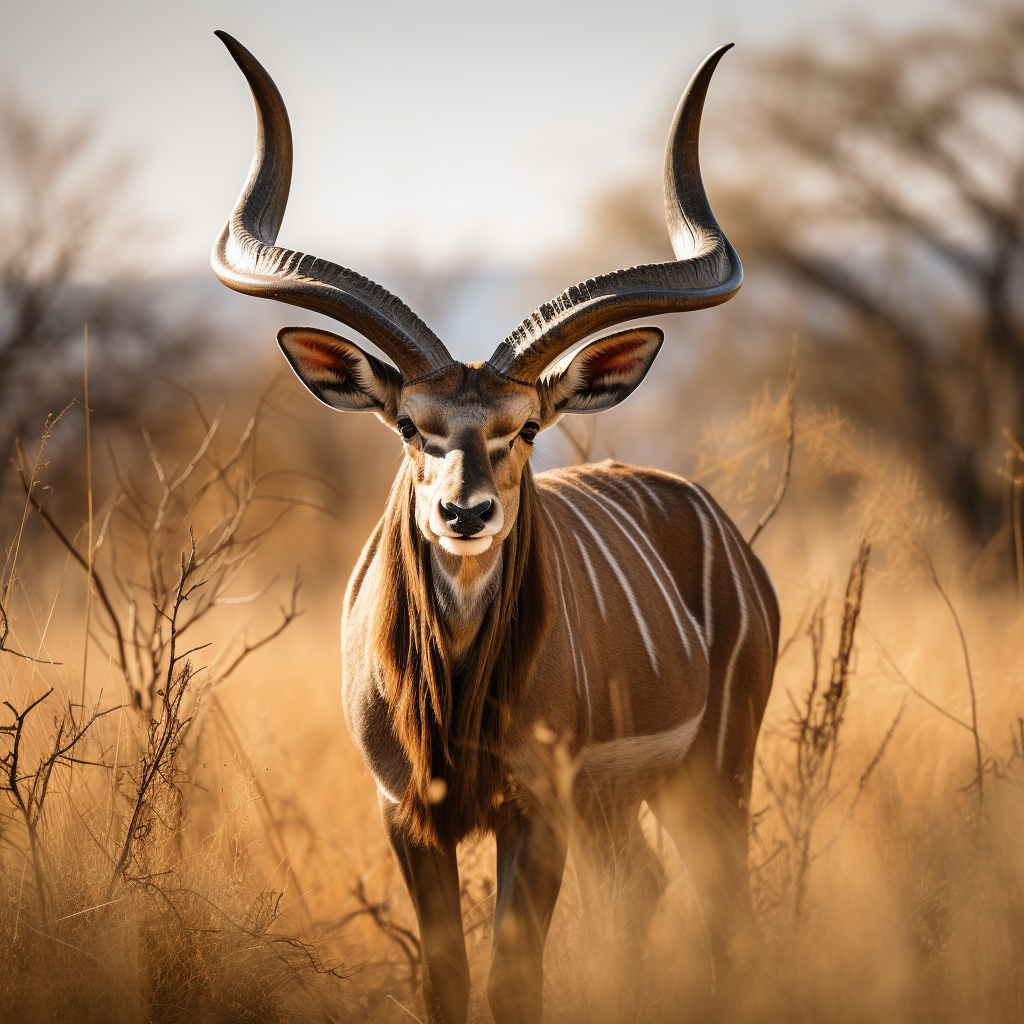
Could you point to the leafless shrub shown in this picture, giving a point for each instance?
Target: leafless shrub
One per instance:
(380, 913)
(1012, 473)
(124, 806)
(806, 789)
(28, 787)
(154, 611)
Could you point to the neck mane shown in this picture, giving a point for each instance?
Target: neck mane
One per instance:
(453, 699)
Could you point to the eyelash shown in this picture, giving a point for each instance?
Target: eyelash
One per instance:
(528, 434)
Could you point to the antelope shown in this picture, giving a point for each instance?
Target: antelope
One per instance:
(532, 656)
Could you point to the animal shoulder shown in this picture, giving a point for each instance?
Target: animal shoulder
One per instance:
(641, 493)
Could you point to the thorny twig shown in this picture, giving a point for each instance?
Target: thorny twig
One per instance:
(582, 450)
(379, 912)
(166, 732)
(5, 629)
(29, 789)
(101, 591)
(978, 781)
(802, 797)
(787, 458)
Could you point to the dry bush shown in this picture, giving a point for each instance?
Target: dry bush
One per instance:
(258, 859)
(114, 907)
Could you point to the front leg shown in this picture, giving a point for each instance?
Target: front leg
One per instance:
(432, 877)
(531, 860)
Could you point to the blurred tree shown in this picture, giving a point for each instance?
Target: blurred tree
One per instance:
(889, 189)
(875, 191)
(70, 254)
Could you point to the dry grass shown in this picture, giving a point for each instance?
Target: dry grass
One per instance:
(888, 805)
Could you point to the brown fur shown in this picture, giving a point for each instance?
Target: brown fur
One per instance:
(453, 720)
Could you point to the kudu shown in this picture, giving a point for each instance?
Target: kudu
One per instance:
(533, 656)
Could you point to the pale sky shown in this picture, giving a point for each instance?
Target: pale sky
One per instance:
(436, 133)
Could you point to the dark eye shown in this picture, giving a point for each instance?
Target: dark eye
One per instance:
(529, 432)
(407, 428)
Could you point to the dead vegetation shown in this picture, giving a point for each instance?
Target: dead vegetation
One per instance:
(106, 887)
(185, 856)
(186, 832)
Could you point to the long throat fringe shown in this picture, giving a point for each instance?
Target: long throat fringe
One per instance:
(454, 721)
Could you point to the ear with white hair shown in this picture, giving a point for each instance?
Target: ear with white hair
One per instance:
(600, 375)
(340, 373)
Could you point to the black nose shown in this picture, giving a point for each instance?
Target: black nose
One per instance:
(467, 521)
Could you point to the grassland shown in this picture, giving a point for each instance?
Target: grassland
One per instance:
(188, 834)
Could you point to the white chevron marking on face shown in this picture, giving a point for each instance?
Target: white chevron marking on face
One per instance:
(620, 576)
(581, 677)
(623, 757)
(741, 636)
(603, 501)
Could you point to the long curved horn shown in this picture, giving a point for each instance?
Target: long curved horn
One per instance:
(245, 258)
(707, 271)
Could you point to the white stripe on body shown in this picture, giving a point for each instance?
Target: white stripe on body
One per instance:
(741, 636)
(620, 575)
(640, 503)
(743, 549)
(581, 677)
(593, 576)
(652, 494)
(576, 606)
(705, 539)
(603, 501)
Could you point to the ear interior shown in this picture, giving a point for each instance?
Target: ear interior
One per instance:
(339, 373)
(603, 373)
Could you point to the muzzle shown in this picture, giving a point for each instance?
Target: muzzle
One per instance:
(466, 522)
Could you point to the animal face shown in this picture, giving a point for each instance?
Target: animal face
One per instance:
(469, 432)
(468, 429)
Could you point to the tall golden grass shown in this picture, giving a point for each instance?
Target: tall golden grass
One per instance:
(248, 878)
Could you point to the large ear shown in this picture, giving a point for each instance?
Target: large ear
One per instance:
(341, 374)
(601, 374)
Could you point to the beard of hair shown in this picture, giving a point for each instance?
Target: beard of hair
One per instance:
(454, 722)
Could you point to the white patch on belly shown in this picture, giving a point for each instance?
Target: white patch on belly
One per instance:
(622, 758)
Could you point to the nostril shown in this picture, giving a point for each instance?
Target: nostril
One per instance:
(467, 521)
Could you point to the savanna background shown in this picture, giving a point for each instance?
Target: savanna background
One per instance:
(186, 832)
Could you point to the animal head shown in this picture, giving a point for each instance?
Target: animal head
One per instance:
(468, 429)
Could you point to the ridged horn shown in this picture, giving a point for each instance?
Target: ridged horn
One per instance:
(245, 258)
(707, 270)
